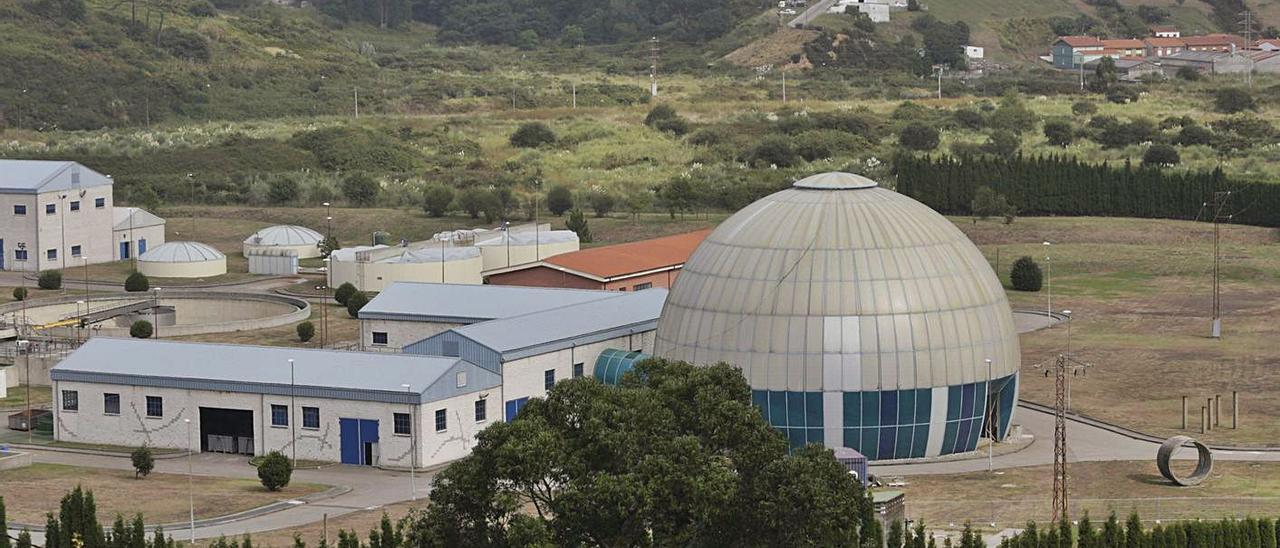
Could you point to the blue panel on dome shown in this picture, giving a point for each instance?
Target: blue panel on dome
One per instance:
(813, 409)
(853, 439)
(795, 408)
(777, 408)
(760, 399)
(870, 409)
(906, 434)
(870, 446)
(852, 409)
(966, 403)
(921, 441)
(949, 438)
(795, 436)
(887, 441)
(907, 407)
(953, 403)
(889, 407)
(962, 436)
(815, 435)
(924, 402)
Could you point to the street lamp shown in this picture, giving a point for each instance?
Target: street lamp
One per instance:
(1048, 260)
(991, 428)
(191, 177)
(328, 217)
(413, 447)
(191, 491)
(155, 311)
(85, 258)
(324, 312)
(506, 232)
(80, 317)
(293, 424)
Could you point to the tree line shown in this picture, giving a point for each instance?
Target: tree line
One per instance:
(1054, 185)
(1245, 533)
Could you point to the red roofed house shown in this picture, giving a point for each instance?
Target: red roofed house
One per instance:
(1165, 31)
(1127, 47)
(1221, 43)
(1161, 47)
(624, 267)
(1268, 44)
(1067, 50)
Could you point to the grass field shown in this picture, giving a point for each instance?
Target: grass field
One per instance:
(1140, 293)
(17, 398)
(160, 498)
(1012, 497)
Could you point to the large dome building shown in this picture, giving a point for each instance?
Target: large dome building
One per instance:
(860, 317)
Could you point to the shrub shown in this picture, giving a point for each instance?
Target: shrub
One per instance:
(1002, 143)
(1194, 135)
(659, 112)
(1025, 275)
(328, 245)
(355, 302)
(19, 293)
(202, 9)
(773, 150)
(532, 135)
(988, 203)
(1084, 108)
(1012, 115)
(344, 292)
(919, 137)
(1233, 100)
(360, 189)
(578, 223)
(1189, 74)
(143, 462)
(136, 282)
(306, 330)
(969, 118)
(559, 200)
(1160, 154)
(476, 200)
(275, 471)
(1122, 95)
(602, 203)
(819, 144)
(141, 329)
(282, 190)
(436, 200)
(1059, 132)
(50, 279)
(674, 126)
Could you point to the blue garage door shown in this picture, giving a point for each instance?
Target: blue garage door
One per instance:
(359, 441)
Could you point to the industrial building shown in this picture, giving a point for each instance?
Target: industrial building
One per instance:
(58, 214)
(350, 407)
(860, 317)
(136, 230)
(407, 312)
(183, 260)
(623, 267)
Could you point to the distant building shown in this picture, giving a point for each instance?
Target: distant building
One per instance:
(136, 230)
(1165, 31)
(1068, 50)
(624, 267)
(1130, 69)
(974, 52)
(1161, 46)
(876, 10)
(1206, 62)
(1126, 47)
(1221, 43)
(1268, 44)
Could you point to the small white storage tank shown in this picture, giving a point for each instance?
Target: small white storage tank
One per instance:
(374, 268)
(303, 240)
(183, 260)
(525, 247)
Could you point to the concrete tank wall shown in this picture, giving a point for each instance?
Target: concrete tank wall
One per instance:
(304, 251)
(495, 255)
(201, 269)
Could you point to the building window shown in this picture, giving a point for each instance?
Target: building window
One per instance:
(19, 210)
(50, 209)
(75, 205)
(111, 404)
(155, 406)
(577, 370)
(51, 254)
(99, 203)
(442, 420)
(622, 289)
(20, 255)
(311, 417)
(379, 337)
(482, 410)
(450, 348)
(279, 415)
(75, 251)
(548, 379)
(70, 400)
(401, 423)
(643, 286)
(460, 380)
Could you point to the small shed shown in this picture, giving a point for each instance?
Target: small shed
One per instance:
(183, 260)
(853, 460)
(274, 262)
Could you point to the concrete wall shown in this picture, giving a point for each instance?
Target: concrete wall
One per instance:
(495, 255)
(40, 366)
(90, 228)
(202, 269)
(376, 276)
(132, 427)
(154, 236)
(399, 333)
(15, 229)
(524, 377)
(197, 312)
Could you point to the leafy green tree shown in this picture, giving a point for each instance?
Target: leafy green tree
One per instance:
(675, 455)
(1194, 135)
(360, 189)
(775, 151)
(143, 461)
(532, 135)
(344, 292)
(1025, 275)
(527, 40)
(559, 200)
(819, 144)
(989, 203)
(1084, 108)
(355, 302)
(76, 523)
(1189, 74)
(1059, 132)
(1122, 95)
(919, 137)
(659, 112)
(1233, 100)
(476, 201)
(436, 200)
(141, 329)
(602, 203)
(306, 330)
(20, 293)
(275, 471)
(1160, 154)
(50, 279)
(1012, 115)
(328, 245)
(1002, 143)
(1134, 536)
(573, 36)
(1104, 75)
(895, 535)
(136, 282)
(969, 118)
(578, 223)
(4, 535)
(282, 190)
(24, 539)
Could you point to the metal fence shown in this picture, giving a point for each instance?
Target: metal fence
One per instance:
(1017, 512)
(38, 348)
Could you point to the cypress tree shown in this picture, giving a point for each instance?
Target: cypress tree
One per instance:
(4, 531)
(1112, 534)
(1087, 537)
(137, 533)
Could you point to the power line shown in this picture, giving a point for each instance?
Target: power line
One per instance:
(1060, 509)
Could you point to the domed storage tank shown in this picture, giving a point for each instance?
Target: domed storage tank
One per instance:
(303, 240)
(860, 317)
(525, 247)
(373, 269)
(182, 260)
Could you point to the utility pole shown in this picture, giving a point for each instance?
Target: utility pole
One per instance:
(191, 179)
(355, 94)
(1060, 509)
(574, 87)
(1248, 43)
(1220, 199)
(784, 86)
(653, 66)
(940, 69)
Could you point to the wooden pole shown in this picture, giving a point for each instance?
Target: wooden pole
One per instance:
(1209, 408)
(1204, 420)
(1184, 412)
(1217, 409)
(1235, 409)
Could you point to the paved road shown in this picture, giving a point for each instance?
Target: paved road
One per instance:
(370, 488)
(813, 11)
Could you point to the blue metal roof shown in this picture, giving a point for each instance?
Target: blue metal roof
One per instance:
(35, 176)
(461, 303)
(335, 374)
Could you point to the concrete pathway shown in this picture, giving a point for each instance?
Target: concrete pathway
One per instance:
(369, 488)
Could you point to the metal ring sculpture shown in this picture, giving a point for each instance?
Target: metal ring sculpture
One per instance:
(1171, 446)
